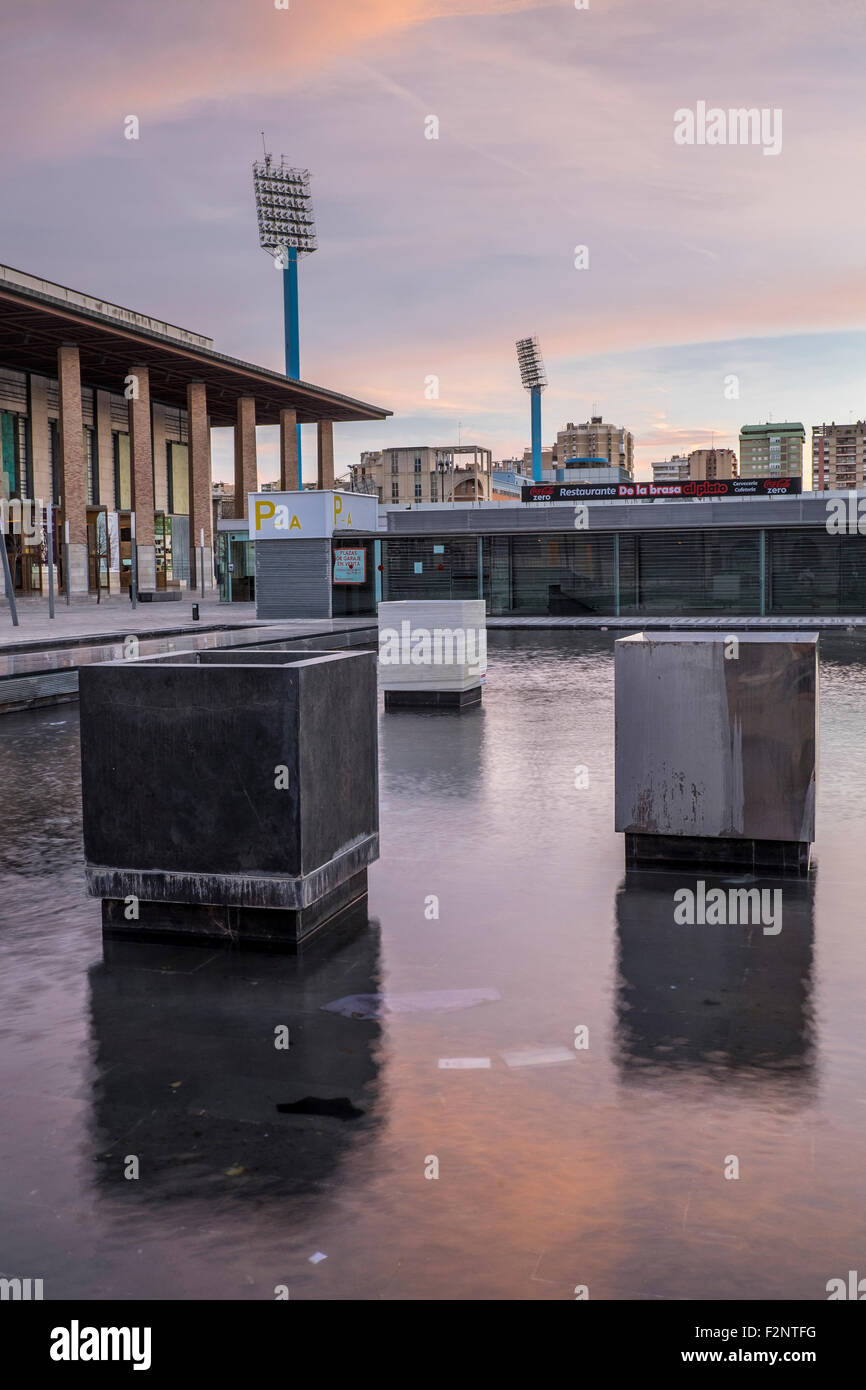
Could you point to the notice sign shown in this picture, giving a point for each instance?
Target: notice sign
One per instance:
(699, 490)
(350, 566)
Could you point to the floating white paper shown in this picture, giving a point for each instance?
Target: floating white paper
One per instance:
(462, 1063)
(537, 1056)
(317, 1258)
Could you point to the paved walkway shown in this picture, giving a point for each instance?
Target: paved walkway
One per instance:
(31, 678)
(87, 620)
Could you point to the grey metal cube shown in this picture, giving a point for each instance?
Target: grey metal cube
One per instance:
(716, 747)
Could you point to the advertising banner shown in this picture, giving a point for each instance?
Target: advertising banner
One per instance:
(698, 490)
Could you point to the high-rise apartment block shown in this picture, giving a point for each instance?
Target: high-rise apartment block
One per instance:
(596, 443)
(838, 456)
(712, 463)
(768, 451)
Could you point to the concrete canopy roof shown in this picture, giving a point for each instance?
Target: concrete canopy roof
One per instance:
(33, 325)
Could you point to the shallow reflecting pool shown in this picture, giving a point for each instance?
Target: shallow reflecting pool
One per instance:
(502, 930)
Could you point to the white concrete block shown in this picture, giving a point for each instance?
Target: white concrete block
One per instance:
(430, 644)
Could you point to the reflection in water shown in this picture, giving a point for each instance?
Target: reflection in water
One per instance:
(441, 751)
(727, 1000)
(189, 1078)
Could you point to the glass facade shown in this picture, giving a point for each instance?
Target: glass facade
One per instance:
(122, 472)
(9, 481)
(695, 572)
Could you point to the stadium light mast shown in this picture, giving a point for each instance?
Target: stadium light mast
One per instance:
(287, 231)
(534, 378)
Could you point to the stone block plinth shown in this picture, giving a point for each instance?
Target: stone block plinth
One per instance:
(230, 794)
(433, 653)
(716, 748)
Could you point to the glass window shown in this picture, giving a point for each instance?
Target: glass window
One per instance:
(9, 454)
(91, 472)
(122, 473)
(178, 479)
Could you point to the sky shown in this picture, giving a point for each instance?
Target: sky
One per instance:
(720, 285)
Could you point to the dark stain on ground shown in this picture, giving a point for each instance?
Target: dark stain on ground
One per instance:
(341, 1108)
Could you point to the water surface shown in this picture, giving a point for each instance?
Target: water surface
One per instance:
(601, 1167)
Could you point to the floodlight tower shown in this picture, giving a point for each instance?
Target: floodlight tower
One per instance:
(534, 378)
(287, 230)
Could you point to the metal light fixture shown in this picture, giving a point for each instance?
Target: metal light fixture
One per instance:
(534, 378)
(287, 230)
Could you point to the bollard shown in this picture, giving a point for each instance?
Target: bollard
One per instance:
(195, 616)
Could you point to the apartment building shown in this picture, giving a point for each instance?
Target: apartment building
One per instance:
(712, 463)
(838, 456)
(772, 450)
(425, 473)
(672, 470)
(594, 440)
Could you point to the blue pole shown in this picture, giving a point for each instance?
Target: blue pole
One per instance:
(536, 433)
(291, 319)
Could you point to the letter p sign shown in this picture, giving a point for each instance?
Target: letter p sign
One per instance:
(264, 512)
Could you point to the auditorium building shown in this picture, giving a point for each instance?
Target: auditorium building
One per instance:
(106, 413)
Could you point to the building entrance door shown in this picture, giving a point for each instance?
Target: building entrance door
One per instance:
(237, 567)
(98, 550)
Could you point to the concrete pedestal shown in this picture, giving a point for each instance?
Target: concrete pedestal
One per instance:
(229, 795)
(716, 748)
(433, 699)
(433, 653)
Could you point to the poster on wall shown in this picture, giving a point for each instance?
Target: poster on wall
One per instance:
(113, 542)
(350, 565)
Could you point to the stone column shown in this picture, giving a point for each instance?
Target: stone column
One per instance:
(141, 467)
(73, 486)
(326, 454)
(200, 506)
(246, 469)
(290, 480)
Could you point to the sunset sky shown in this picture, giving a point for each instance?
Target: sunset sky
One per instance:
(556, 130)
